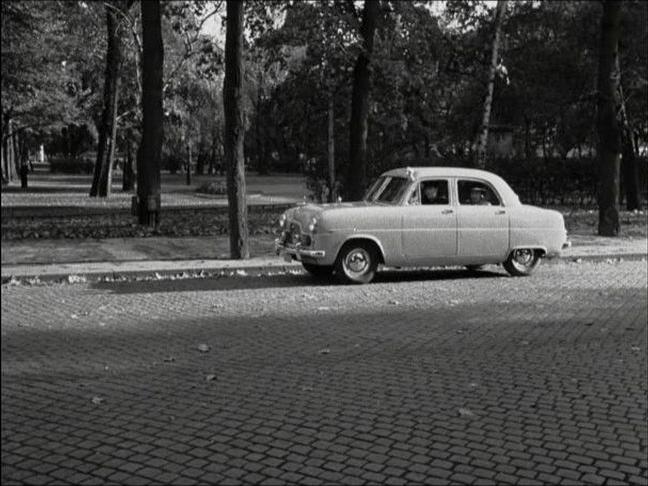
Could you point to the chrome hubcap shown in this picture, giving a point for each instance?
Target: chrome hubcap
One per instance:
(523, 257)
(357, 261)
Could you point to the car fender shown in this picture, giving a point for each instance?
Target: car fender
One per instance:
(543, 249)
(363, 236)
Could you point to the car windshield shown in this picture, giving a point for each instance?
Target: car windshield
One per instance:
(387, 189)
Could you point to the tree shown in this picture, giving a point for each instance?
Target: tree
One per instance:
(38, 88)
(480, 151)
(150, 150)
(609, 133)
(357, 174)
(102, 178)
(234, 137)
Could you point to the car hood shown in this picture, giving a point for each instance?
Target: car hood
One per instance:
(305, 213)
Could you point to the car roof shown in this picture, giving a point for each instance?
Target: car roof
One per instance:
(440, 172)
(509, 196)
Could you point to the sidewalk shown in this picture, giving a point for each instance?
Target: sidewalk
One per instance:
(57, 259)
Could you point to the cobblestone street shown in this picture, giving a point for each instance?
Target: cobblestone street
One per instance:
(422, 377)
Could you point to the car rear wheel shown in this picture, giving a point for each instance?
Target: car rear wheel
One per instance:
(319, 271)
(357, 263)
(522, 262)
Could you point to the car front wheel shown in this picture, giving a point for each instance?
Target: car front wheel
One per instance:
(522, 262)
(319, 271)
(357, 263)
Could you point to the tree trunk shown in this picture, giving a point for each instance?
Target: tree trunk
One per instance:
(188, 164)
(482, 140)
(234, 135)
(7, 175)
(609, 133)
(150, 151)
(15, 150)
(357, 172)
(102, 177)
(331, 145)
(127, 176)
(11, 159)
(629, 166)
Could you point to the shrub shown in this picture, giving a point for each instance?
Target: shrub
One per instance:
(214, 187)
(71, 165)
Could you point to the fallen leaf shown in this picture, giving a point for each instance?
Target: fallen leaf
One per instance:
(636, 348)
(98, 400)
(203, 348)
(210, 377)
(465, 412)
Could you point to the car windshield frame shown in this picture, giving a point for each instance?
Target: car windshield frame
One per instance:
(388, 190)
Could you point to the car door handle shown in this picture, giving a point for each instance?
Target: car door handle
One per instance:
(447, 211)
(501, 211)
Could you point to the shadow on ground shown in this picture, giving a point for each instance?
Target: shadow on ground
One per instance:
(227, 283)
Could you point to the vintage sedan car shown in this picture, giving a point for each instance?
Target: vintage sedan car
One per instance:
(422, 216)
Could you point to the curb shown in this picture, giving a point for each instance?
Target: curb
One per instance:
(600, 257)
(240, 270)
(170, 274)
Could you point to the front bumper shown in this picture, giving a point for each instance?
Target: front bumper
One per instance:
(296, 251)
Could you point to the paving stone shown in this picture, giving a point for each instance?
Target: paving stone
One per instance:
(386, 407)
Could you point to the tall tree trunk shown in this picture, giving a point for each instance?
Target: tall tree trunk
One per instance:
(482, 139)
(331, 146)
(234, 135)
(11, 154)
(15, 151)
(127, 176)
(357, 172)
(188, 166)
(102, 177)
(150, 151)
(609, 133)
(629, 166)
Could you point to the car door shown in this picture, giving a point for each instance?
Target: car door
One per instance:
(429, 228)
(482, 223)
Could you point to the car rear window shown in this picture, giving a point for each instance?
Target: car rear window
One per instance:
(486, 195)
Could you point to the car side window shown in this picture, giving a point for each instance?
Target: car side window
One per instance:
(434, 192)
(477, 193)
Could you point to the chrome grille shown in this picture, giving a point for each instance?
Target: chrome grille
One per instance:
(294, 233)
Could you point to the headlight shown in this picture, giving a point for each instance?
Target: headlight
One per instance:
(282, 220)
(312, 226)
